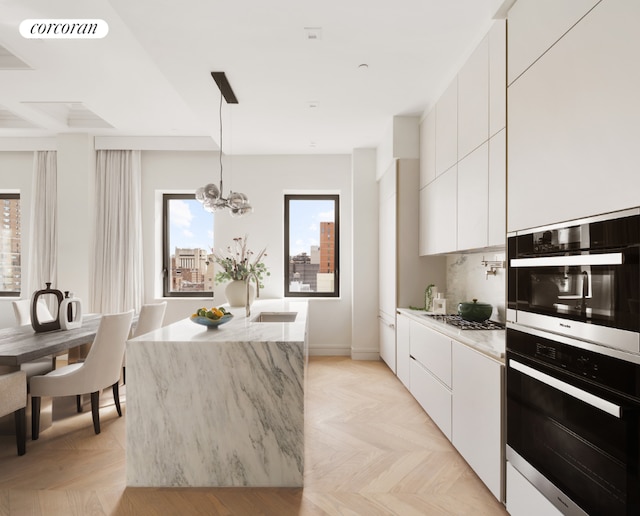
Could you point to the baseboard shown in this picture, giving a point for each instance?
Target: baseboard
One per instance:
(365, 355)
(328, 351)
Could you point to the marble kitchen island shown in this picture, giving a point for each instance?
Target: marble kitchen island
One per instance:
(218, 407)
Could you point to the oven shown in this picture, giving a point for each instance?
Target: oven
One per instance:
(573, 421)
(579, 278)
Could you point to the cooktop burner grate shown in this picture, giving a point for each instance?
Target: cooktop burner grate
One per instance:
(456, 320)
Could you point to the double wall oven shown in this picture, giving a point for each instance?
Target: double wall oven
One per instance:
(573, 362)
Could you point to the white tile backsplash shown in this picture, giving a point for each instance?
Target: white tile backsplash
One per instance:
(466, 280)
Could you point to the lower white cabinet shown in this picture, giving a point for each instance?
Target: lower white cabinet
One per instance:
(388, 340)
(403, 350)
(476, 414)
(525, 500)
(433, 396)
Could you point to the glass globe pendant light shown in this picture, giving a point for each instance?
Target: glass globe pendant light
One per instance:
(210, 195)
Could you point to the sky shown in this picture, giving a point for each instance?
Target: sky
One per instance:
(192, 226)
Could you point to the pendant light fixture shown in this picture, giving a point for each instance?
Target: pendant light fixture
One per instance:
(210, 195)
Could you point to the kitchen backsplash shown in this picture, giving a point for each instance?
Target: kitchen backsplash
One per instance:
(466, 280)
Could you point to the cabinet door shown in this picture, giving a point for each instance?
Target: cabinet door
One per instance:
(447, 129)
(573, 123)
(432, 350)
(497, 77)
(498, 189)
(473, 199)
(438, 214)
(473, 100)
(387, 242)
(428, 149)
(433, 397)
(535, 25)
(477, 414)
(403, 349)
(388, 341)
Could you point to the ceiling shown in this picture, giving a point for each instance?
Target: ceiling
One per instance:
(326, 90)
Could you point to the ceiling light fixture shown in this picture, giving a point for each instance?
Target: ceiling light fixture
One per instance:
(210, 195)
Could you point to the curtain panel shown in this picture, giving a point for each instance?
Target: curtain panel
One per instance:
(117, 282)
(43, 230)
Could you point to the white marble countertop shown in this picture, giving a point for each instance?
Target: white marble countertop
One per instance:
(490, 342)
(240, 328)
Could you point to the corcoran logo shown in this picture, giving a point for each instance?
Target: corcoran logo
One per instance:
(64, 29)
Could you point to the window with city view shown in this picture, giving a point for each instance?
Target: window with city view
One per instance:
(187, 243)
(10, 246)
(311, 245)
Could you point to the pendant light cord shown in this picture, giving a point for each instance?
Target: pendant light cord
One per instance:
(220, 117)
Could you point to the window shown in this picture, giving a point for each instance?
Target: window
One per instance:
(311, 245)
(10, 247)
(187, 242)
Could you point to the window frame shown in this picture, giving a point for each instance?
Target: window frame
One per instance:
(166, 251)
(336, 260)
(13, 196)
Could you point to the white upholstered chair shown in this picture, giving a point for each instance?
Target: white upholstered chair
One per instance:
(22, 311)
(100, 369)
(13, 398)
(150, 318)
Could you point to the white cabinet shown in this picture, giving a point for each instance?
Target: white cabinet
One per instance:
(497, 77)
(403, 349)
(535, 25)
(573, 120)
(473, 199)
(428, 149)
(473, 100)
(438, 214)
(387, 340)
(447, 129)
(497, 223)
(387, 197)
(477, 414)
(525, 500)
(431, 374)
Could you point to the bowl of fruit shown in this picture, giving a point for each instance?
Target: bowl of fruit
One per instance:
(211, 318)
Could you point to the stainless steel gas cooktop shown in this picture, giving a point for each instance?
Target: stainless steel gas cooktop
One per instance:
(456, 320)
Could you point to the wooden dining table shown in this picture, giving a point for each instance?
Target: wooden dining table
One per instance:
(22, 344)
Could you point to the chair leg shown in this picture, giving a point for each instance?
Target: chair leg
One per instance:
(124, 375)
(35, 417)
(21, 430)
(79, 402)
(116, 398)
(95, 405)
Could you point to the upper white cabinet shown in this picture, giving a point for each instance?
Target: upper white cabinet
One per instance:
(497, 77)
(573, 120)
(473, 100)
(463, 196)
(428, 149)
(447, 129)
(535, 25)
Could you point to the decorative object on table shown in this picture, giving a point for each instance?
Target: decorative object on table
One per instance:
(212, 318)
(70, 313)
(474, 311)
(238, 266)
(439, 304)
(42, 326)
(430, 293)
(210, 195)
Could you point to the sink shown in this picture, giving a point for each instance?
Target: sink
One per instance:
(275, 317)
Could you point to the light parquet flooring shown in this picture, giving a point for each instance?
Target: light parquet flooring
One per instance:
(369, 450)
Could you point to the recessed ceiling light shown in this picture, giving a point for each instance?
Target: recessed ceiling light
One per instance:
(313, 33)
(312, 144)
(363, 66)
(312, 104)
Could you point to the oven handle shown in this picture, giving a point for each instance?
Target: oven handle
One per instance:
(570, 260)
(587, 397)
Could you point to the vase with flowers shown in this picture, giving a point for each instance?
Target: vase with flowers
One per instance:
(241, 267)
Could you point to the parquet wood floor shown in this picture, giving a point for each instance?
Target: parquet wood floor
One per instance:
(369, 450)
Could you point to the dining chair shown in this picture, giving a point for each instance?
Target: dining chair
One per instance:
(150, 318)
(22, 311)
(100, 370)
(13, 398)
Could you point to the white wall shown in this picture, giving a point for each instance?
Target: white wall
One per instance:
(16, 170)
(264, 179)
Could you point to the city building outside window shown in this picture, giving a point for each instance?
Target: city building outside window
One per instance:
(10, 245)
(311, 245)
(188, 265)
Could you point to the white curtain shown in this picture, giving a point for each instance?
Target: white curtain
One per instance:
(117, 277)
(43, 241)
